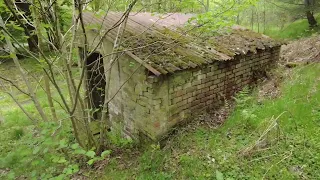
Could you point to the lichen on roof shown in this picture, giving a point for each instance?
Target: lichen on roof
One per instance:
(168, 52)
(170, 47)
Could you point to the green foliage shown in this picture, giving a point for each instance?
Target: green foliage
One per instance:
(17, 133)
(295, 30)
(219, 175)
(49, 150)
(47, 154)
(65, 12)
(279, 19)
(222, 15)
(31, 151)
(152, 162)
(118, 140)
(244, 102)
(159, 6)
(242, 148)
(243, 98)
(11, 25)
(16, 118)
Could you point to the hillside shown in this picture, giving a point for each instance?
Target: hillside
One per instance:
(273, 130)
(154, 89)
(295, 30)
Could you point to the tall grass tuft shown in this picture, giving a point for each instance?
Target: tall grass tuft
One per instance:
(17, 133)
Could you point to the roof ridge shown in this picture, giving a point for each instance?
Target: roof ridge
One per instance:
(166, 49)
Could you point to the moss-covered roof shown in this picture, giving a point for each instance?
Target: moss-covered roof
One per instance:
(164, 46)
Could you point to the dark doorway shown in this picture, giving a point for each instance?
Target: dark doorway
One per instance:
(96, 83)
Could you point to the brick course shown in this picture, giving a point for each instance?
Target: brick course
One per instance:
(151, 105)
(220, 80)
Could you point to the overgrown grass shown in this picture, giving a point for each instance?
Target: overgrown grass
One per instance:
(272, 139)
(25, 150)
(295, 30)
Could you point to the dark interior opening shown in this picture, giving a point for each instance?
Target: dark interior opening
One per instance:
(96, 83)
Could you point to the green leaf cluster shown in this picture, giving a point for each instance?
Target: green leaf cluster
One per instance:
(47, 156)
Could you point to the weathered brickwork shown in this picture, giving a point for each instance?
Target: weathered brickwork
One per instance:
(151, 105)
(139, 105)
(140, 102)
(152, 92)
(207, 87)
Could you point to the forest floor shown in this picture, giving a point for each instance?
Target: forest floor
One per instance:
(270, 132)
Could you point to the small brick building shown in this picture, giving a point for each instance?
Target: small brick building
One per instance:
(168, 75)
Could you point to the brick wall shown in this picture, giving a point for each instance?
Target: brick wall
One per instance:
(141, 105)
(151, 105)
(206, 87)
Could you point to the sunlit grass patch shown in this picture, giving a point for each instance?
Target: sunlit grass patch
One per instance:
(295, 30)
(15, 118)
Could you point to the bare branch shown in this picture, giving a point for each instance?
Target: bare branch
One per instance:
(13, 84)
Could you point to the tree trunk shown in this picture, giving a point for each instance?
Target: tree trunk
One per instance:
(23, 74)
(49, 96)
(264, 16)
(78, 104)
(238, 14)
(311, 20)
(46, 78)
(207, 5)
(238, 18)
(252, 18)
(25, 8)
(310, 5)
(258, 20)
(159, 5)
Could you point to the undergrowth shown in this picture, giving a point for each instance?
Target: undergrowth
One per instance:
(269, 139)
(45, 151)
(294, 30)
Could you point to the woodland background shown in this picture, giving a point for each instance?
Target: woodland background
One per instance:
(45, 117)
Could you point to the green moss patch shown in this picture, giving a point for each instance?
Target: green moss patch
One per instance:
(170, 50)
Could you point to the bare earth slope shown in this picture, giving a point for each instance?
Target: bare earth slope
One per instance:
(302, 51)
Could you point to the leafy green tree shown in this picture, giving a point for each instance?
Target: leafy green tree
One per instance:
(21, 14)
(300, 7)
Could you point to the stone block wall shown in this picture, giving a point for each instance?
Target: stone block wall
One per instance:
(141, 106)
(131, 101)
